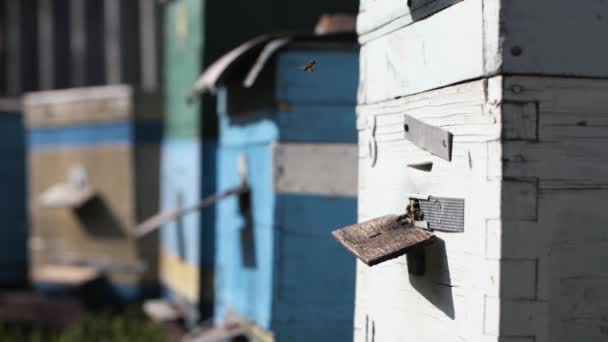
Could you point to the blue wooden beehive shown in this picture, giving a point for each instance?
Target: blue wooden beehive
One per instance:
(13, 244)
(277, 267)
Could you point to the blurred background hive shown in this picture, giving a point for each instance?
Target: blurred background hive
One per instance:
(93, 173)
(197, 33)
(277, 267)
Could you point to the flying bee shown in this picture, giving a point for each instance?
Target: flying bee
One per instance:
(310, 66)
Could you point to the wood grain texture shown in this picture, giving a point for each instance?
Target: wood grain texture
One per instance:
(381, 239)
(430, 56)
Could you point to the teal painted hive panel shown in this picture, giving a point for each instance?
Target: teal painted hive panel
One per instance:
(280, 268)
(187, 244)
(14, 229)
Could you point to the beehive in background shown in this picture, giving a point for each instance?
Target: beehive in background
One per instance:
(196, 36)
(14, 232)
(278, 272)
(477, 111)
(93, 173)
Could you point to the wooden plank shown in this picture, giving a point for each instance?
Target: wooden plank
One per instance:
(382, 239)
(322, 86)
(376, 19)
(322, 169)
(497, 36)
(77, 106)
(430, 56)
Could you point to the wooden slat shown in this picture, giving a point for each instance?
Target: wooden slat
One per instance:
(382, 239)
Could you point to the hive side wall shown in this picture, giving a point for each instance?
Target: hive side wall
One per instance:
(553, 230)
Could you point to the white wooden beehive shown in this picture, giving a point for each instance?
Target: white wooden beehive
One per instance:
(527, 106)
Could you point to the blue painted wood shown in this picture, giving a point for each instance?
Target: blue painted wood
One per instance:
(334, 80)
(13, 230)
(245, 289)
(92, 134)
(189, 171)
(317, 123)
(302, 285)
(181, 177)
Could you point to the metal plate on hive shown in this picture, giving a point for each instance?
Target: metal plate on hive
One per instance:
(443, 213)
(433, 139)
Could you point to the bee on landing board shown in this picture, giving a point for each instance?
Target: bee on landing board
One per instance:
(310, 66)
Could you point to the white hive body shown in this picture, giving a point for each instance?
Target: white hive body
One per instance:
(525, 104)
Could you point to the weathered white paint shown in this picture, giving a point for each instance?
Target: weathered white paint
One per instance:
(528, 160)
(322, 169)
(477, 38)
(443, 49)
(448, 301)
(379, 18)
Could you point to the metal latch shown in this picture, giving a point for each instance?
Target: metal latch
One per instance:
(388, 237)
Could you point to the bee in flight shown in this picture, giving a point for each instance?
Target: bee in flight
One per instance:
(310, 66)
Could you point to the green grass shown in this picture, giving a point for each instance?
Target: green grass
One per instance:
(130, 326)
